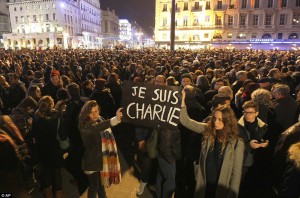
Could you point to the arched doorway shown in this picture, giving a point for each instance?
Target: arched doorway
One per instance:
(294, 36)
(16, 44)
(217, 36)
(28, 44)
(266, 36)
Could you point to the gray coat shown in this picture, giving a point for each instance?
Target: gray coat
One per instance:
(231, 170)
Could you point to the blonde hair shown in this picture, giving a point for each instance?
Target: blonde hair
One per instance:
(294, 154)
(262, 96)
(85, 112)
(45, 105)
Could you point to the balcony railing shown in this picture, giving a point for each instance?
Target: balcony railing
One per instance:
(197, 9)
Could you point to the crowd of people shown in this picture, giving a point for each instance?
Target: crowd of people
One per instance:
(239, 134)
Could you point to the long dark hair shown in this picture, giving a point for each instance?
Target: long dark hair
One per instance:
(85, 112)
(229, 131)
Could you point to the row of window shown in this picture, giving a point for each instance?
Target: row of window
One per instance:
(34, 18)
(90, 10)
(242, 20)
(46, 6)
(231, 6)
(46, 28)
(241, 35)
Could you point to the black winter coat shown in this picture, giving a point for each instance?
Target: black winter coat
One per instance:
(90, 133)
(44, 129)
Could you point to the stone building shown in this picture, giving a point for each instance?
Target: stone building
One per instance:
(247, 23)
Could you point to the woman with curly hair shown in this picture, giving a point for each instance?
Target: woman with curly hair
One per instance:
(291, 177)
(220, 163)
(263, 98)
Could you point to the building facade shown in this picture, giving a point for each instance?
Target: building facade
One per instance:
(40, 24)
(4, 21)
(110, 28)
(203, 23)
(125, 33)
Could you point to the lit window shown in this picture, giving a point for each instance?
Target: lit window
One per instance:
(229, 35)
(218, 20)
(241, 36)
(165, 21)
(196, 22)
(253, 35)
(185, 22)
(207, 19)
(206, 35)
(196, 37)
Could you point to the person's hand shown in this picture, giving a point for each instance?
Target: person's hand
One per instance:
(142, 146)
(254, 144)
(29, 121)
(5, 137)
(264, 144)
(119, 114)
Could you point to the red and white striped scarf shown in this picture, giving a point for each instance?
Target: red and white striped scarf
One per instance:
(111, 171)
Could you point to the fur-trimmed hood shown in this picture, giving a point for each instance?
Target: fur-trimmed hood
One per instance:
(260, 122)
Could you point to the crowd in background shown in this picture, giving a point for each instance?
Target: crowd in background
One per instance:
(42, 93)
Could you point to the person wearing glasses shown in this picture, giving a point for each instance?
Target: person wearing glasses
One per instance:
(252, 130)
(221, 157)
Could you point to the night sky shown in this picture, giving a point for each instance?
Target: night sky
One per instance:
(141, 11)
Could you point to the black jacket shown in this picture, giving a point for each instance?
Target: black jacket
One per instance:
(16, 93)
(50, 90)
(90, 133)
(245, 135)
(285, 111)
(45, 130)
